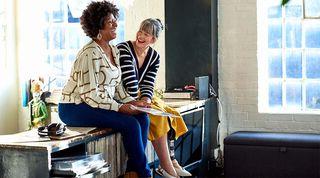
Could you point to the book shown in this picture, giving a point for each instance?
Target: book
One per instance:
(153, 111)
(178, 95)
(77, 165)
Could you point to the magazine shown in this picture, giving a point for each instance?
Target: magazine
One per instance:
(78, 165)
(153, 111)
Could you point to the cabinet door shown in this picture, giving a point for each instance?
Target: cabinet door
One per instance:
(188, 147)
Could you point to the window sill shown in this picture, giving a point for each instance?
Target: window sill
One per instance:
(273, 111)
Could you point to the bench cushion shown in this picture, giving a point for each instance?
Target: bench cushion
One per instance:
(274, 139)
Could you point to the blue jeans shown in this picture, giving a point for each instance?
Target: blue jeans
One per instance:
(133, 128)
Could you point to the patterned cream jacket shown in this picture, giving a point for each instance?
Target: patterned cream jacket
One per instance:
(95, 80)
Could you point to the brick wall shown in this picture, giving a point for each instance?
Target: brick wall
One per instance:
(238, 75)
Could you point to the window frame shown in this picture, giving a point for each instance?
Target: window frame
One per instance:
(262, 55)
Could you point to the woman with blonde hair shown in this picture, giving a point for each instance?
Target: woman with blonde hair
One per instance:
(139, 64)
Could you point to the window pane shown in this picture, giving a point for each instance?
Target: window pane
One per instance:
(274, 35)
(57, 63)
(3, 29)
(72, 19)
(120, 33)
(71, 59)
(274, 12)
(293, 34)
(294, 95)
(69, 62)
(46, 37)
(275, 94)
(58, 82)
(58, 10)
(75, 34)
(294, 8)
(293, 64)
(312, 8)
(58, 37)
(275, 65)
(313, 95)
(312, 34)
(313, 64)
(47, 60)
(46, 16)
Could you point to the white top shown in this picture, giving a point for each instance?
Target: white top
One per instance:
(95, 80)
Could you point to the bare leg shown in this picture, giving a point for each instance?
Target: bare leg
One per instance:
(161, 147)
(179, 170)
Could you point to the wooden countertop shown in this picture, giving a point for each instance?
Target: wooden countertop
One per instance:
(183, 105)
(31, 140)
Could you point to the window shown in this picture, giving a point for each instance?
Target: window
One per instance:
(289, 56)
(57, 33)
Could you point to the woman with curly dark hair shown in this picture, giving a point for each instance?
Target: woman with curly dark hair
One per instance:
(94, 96)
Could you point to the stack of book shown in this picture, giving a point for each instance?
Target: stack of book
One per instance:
(178, 95)
(79, 165)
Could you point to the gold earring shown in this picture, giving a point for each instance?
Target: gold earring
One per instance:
(99, 36)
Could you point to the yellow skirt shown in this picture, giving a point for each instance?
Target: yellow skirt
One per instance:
(159, 125)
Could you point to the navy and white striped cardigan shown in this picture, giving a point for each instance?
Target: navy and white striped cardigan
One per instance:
(137, 79)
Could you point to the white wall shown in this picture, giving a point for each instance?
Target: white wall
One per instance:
(9, 81)
(238, 75)
(9, 99)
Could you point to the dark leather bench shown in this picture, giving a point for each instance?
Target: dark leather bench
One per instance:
(272, 155)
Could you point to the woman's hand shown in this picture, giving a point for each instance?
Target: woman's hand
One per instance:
(146, 99)
(127, 109)
(140, 103)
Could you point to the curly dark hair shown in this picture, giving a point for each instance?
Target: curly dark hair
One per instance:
(93, 17)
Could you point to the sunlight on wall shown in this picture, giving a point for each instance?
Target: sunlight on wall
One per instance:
(8, 70)
(30, 48)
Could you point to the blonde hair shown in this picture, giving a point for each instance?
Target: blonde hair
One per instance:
(152, 26)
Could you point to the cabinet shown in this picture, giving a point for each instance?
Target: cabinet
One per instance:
(33, 159)
(189, 148)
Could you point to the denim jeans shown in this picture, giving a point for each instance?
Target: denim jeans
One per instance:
(133, 128)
